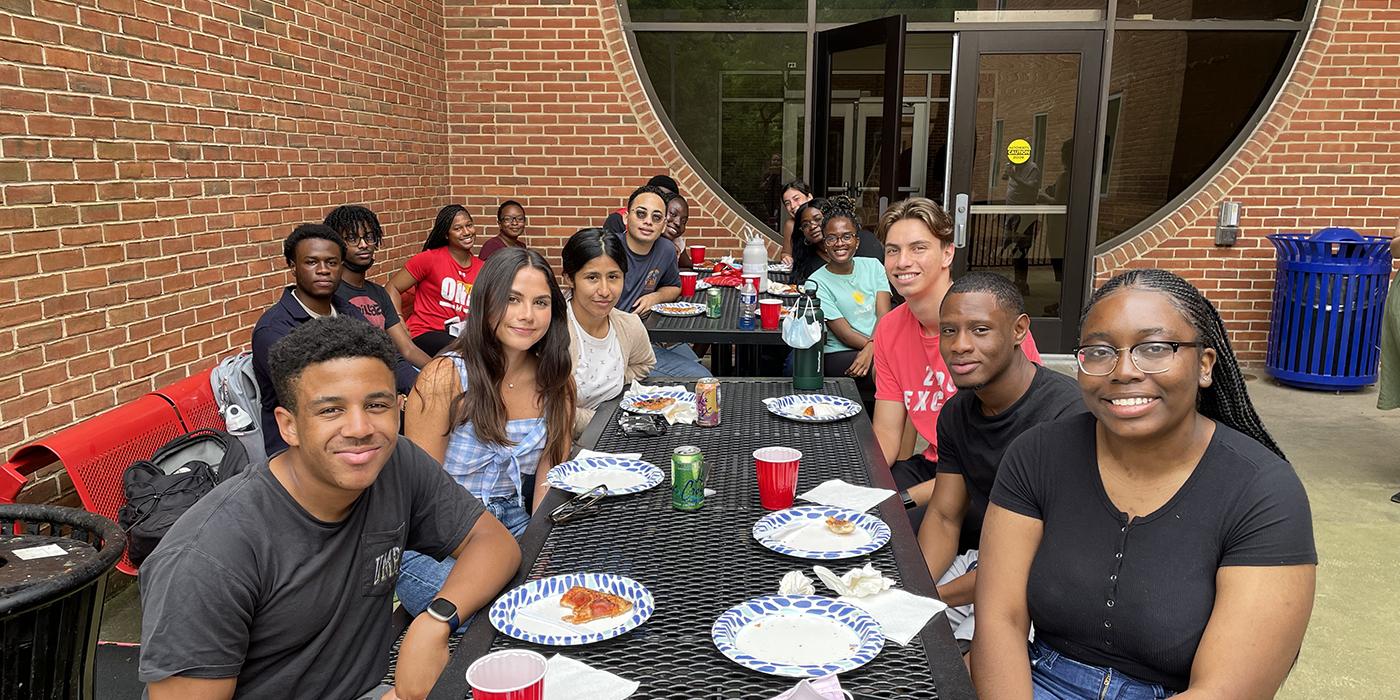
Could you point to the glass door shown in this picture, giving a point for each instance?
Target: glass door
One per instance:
(1025, 108)
(856, 97)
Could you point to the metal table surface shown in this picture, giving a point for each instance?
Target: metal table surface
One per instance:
(703, 329)
(697, 565)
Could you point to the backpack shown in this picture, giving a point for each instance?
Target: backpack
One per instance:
(240, 402)
(161, 489)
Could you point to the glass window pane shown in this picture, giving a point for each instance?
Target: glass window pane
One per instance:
(737, 102)
(1211, 9)
(717, 10)
(1178, 99)
(937, 10)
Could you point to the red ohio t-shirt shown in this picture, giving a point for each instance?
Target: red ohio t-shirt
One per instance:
(442, 290)
(909, 369)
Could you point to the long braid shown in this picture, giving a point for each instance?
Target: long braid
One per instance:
(1226, 399)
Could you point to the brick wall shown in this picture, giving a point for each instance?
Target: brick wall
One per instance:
(153, 155)
(1327, 154)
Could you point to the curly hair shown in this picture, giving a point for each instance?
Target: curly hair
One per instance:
(322, 340)
(352, 220)
(307, 232)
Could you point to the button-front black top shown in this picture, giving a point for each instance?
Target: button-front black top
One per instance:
(1136, 596)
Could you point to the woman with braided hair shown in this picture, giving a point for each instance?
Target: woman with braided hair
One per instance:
(1159, 544)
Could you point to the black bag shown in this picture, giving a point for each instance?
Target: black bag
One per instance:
(161, 489)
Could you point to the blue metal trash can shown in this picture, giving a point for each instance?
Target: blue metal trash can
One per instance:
(1329, 297)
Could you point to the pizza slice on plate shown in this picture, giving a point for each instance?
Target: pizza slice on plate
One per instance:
(589, 604)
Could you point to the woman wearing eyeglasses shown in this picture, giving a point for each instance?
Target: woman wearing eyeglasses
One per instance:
(1159, 544)
(854, 293)
(441, 278)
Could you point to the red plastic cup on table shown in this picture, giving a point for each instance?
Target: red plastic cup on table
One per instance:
(757, 283)
(511, 674)
(688, 283)
(777, 476)
(697, 254)
(769, 310)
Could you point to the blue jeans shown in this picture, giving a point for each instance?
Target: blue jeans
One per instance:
(421, 576)
(1058, 677)
(677, 361)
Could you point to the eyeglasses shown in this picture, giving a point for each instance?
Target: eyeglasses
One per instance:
(843, 238)
(579, 506)
(362, 239)
(1151, 357)
(513, 219)
(810, 223)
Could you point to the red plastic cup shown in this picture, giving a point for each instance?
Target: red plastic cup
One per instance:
(777, 476)
(769, 311)
(511, 674)
(757, 283)
(688, 283)
(697, 254)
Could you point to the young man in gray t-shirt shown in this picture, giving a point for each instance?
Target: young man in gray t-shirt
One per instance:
(279, 582)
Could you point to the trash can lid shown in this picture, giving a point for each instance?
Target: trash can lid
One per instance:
(35, 560)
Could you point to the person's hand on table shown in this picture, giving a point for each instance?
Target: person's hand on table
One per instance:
(422, 656)
(786, 259)
(644, 303)
(861, 365)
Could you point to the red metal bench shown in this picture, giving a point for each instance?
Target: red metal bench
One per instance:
(97, 451)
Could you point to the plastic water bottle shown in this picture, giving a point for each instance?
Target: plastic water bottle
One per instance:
(748, 306)
(756, 260)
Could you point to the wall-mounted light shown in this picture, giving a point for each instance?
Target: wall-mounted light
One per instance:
(1227, 227)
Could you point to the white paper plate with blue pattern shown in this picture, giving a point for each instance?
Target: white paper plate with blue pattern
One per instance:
(621, 476)
(532, 613)
(637, 403)
(823, 407)
(802, 532)
(797, 636)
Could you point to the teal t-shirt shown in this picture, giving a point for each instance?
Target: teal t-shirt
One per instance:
(851, 297)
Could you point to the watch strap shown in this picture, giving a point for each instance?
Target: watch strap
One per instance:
(908, 500)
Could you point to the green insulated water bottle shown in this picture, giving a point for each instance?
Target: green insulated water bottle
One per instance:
(807, 362)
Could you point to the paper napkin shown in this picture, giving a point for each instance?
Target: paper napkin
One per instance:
(566, 678)
(901, 614)
(843, 495)
(582, 454)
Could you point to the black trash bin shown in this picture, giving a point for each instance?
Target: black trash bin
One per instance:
(54, 564)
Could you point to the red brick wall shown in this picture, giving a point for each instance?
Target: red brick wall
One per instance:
(153, 155)
(1327, 154)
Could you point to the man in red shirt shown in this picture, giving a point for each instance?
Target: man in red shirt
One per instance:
(911, 380)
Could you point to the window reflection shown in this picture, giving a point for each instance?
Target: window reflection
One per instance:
(1211, 9)
(737, 102)
(1181, 98)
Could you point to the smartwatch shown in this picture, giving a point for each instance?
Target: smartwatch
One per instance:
(444, 610)
(908, 500)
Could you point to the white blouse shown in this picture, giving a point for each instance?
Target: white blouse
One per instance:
(598, 369)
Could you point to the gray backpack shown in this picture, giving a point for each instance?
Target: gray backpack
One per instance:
(240, 403)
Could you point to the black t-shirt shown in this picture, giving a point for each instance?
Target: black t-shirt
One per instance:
(372, 300)
(971, 444)
(248, 584)
(1137, 596)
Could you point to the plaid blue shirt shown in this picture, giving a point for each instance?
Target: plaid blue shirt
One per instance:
(488, 470)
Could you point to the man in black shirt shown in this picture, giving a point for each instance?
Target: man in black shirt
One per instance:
(1001, 394)
(279, 583)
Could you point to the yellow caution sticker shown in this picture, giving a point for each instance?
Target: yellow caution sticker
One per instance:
(1018, 151)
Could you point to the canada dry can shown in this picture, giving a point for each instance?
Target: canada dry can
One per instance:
(714, 303)
(707, 402)
(687, 478)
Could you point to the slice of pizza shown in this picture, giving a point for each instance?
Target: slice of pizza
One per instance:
(657, 403)
(810, 411)
(589, 604)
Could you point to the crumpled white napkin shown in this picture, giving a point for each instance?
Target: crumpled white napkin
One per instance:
(836, 492)
(680, 412)
(856, 583)
(901, 614)
(582, 453)
(566, 678)
(824, 688)
(796, 583)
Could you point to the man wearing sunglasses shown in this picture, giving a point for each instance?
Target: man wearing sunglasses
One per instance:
(1001, 394)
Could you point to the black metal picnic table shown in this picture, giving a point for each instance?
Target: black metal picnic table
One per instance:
(720, 333)
(697, 565)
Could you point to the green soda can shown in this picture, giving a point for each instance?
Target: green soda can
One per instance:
(687, 478)
(714, 303)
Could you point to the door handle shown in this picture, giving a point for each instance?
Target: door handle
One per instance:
(960, 220)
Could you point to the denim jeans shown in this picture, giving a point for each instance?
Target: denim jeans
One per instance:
(421, 576)
(677, 361)
(1058, 677)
